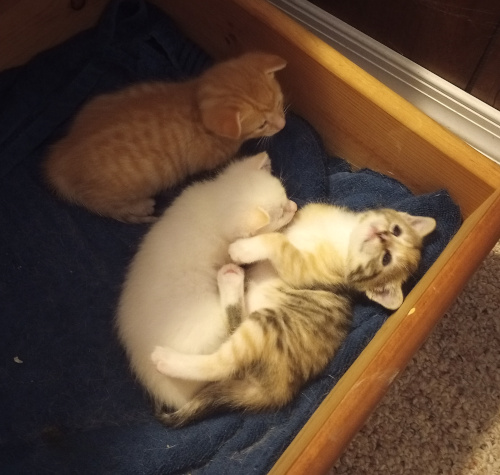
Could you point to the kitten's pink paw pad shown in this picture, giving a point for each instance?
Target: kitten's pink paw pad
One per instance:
(231, 282)
(231, 269)
(245, 251)
(230, 274)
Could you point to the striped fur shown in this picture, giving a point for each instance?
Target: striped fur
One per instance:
(125, 146)
(268, 358)
(299, 307)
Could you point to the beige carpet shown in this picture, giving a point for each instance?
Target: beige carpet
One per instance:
(442, 416)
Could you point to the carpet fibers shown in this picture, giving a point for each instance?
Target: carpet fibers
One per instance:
(442, 415)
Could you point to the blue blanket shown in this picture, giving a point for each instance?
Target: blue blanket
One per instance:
(68, 401)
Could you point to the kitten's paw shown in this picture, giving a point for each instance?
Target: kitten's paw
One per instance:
(230, 274)
(231, 282)
(140, 211)
(247, 250)
(160, 359)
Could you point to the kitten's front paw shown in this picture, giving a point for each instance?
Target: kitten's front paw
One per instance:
(247, 250)
(160, 359)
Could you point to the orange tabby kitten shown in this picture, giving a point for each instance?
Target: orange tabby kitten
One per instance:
(126, 146)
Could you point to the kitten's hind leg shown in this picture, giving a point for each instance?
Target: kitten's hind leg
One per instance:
(139, 211)
(231, 282)
(239, 351)
(170, 362)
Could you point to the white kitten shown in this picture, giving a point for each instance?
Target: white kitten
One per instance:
(170, 296)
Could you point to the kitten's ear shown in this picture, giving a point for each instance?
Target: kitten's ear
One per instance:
(268, 63)
(423, 225)
(220, 119)
(390, 297)
(262, 161)
(273, 63)
(258, 218)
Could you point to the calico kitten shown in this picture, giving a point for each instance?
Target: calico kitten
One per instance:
(126, 146)
(298, 304)
(170, 295)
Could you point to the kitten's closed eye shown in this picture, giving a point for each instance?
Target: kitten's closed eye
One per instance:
(261, 126)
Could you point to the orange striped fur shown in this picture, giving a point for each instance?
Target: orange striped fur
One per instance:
(126, 146)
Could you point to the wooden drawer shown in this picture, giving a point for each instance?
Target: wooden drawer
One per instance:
(360, 120)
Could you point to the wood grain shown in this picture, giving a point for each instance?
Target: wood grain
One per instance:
(371, 126)
(28, 27)
(485, 84)
(326, 435)
(359, 119)
(446, 37)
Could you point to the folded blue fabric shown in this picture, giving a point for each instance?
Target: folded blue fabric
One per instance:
(69, 403)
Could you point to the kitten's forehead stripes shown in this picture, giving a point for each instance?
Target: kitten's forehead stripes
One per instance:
(240, 89)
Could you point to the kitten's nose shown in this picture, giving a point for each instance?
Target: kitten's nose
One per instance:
(279, 123)
(382, 235)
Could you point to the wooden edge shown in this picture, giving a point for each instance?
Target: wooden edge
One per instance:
(348, 405)
(28, 27)
(343, 412)
(358, 118)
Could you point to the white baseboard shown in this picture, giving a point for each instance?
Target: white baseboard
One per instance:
(474, 121)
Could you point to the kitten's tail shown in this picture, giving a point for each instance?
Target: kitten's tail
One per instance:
(245, 394)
